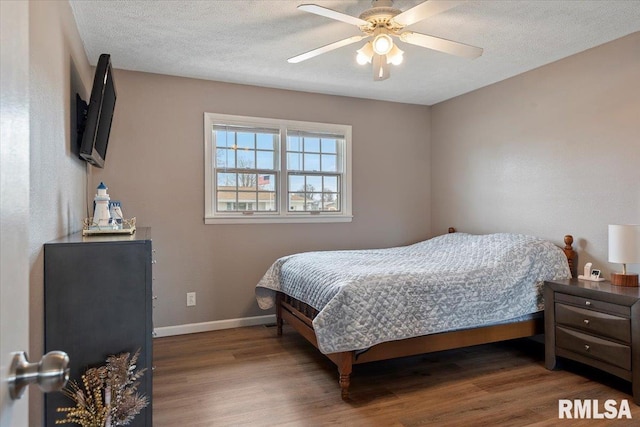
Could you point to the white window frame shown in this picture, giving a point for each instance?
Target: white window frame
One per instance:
(283, 215)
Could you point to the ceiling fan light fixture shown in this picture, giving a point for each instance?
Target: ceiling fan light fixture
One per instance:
(365, 54)
(395, 55)
(382, 44)
(380, 23)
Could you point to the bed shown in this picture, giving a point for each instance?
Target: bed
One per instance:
(451, 291)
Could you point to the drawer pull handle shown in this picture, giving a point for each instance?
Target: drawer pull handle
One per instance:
(586, 347)
(586, 321)
(588, 302)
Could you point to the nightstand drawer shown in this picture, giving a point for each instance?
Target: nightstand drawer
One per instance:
(596, 348)
(593, 304)
(607, 325)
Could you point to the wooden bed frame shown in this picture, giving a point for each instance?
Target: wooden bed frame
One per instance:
(300, 316)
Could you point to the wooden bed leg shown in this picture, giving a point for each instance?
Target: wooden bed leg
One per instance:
(279, 321)
(344, 370)
(345, 381)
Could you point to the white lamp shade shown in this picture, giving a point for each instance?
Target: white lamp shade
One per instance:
(395, 55)
(365, 54)
(624, 244)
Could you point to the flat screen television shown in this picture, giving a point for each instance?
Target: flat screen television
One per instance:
(94, 119)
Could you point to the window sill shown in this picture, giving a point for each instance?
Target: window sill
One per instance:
(280, 219)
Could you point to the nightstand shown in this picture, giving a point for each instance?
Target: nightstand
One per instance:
(595, 323)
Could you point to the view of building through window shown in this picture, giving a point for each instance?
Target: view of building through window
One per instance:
(262, 167)
(246, 164)
(246, 170)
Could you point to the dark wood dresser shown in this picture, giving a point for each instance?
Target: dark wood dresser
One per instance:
(98, 302)
(595, 323)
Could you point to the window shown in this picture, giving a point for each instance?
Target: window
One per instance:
(265, 170)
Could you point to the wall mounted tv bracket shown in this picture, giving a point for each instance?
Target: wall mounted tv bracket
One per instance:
(81, 117)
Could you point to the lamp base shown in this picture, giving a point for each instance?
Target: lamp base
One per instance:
(630, 280)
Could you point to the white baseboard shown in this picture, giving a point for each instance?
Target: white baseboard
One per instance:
(215, 325)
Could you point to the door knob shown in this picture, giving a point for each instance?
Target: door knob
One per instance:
(51, 373)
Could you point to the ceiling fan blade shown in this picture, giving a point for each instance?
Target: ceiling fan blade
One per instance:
(381, 69)
(328, 13)
(442, 45)
(424, 10)
(325, 49)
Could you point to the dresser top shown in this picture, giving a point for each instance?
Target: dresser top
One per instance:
(591, 289)
(141, 234)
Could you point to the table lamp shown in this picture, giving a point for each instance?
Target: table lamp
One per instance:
(624, 248)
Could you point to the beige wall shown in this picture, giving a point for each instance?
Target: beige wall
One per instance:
(550, 152)
(58, 67)
(155, 167)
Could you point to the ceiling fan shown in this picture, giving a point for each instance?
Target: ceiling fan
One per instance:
(382, 22)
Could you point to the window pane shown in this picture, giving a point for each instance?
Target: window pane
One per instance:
(329, 146)
(296, 182)
(296, 202)
(246, 159)
(330, 202)
(330, 183)
(247, 201)
(266, 141)
(329, 163)
(293, 143)
(223, 138)
(312, 162)
(314, 183)
(246, 140)
(247, 181)
(226, 181)
(225, 158)
(314, 201)
(267, 201)
(294, 161)
(226, 200)
(266, 159)
(267, 182)
(300, 193)
(312, 145)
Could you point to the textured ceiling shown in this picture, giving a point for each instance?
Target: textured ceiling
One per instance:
(248, 42)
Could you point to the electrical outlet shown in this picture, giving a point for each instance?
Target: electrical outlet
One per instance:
(191, 299)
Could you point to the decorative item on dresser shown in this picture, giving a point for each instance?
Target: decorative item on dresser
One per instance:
(98, 302)
(594, 323)
(304, 318)
(624, 248)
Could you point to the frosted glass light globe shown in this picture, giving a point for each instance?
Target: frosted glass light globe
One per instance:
(382, 44)
(361, 58)
(397, 59)
(395, 55)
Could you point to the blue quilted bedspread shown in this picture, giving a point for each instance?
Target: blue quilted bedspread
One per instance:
(454, 281)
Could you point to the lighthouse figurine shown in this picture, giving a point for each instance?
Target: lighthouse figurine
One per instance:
(101, 215)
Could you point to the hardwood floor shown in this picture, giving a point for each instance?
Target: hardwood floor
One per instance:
(251, 377)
